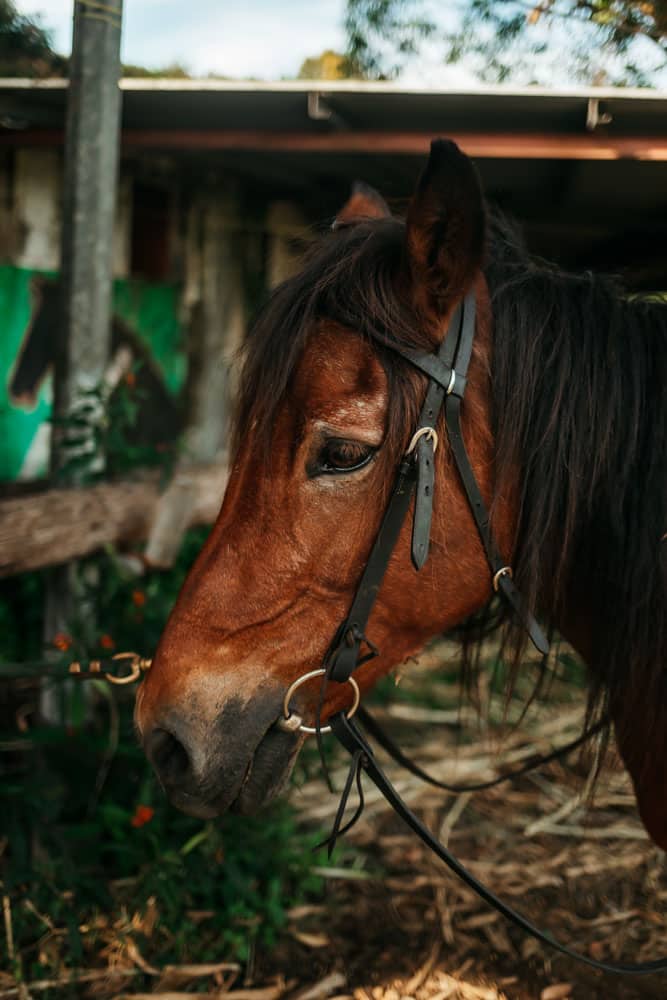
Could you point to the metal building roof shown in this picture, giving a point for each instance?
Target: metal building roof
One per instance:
(584, 168)
(592, 123)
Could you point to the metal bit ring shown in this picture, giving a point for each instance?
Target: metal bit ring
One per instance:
(288, 722)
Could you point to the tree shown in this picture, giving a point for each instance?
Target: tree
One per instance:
(172, 71)
(329, 65)
(25, 47)
(616, 41)
(383, 34)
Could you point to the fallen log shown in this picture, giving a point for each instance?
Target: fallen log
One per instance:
(57, 525)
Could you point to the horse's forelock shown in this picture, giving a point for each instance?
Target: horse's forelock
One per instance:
(352, 277)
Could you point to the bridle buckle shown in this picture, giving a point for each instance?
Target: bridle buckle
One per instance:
(429, 433)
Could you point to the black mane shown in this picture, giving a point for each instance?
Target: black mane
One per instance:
(580, 411)
(578, 379)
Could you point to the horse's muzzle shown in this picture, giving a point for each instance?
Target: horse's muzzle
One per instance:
(238, 760)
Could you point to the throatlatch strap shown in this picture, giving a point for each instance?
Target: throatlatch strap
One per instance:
(350, 737)
(504, 582)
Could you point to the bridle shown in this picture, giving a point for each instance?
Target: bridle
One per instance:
(446, 370)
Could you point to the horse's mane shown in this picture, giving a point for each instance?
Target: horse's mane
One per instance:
(580, 413)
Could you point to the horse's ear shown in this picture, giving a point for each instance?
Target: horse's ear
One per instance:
(364, 203)
(445, 228)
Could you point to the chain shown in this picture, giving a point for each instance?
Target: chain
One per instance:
(135, 664)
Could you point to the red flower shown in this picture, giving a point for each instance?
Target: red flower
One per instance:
(106, 642)
(138, 598)
(131, 380)
(142, 815)
(62, 641)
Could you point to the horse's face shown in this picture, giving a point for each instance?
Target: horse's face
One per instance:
(278, 573)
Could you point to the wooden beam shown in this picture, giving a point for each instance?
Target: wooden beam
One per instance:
(529, 146)
(53, 527)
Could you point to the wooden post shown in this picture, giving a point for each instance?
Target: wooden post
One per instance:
(58, 525)
(89, 197)
(89, 194)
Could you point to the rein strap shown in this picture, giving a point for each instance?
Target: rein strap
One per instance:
(350, 737)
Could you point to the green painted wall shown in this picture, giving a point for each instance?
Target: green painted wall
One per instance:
(150, 310)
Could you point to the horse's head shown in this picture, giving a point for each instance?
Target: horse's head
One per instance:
(324, 415)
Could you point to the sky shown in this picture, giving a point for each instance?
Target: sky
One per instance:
(267, 39)
(263, 38)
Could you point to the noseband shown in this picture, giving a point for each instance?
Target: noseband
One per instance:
(447, 371)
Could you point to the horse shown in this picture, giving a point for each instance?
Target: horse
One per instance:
(565, 424)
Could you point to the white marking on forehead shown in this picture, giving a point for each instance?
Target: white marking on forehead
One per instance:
(359, 408)
(362, 420)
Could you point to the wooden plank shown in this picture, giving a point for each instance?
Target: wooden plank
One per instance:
(53, 527)
(529, 146)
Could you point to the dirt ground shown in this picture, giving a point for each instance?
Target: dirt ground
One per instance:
(393, 923)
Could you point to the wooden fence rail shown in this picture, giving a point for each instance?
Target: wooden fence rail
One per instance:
(52, 527)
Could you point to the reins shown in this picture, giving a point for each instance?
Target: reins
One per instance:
(364, 760)
(374, 729)
(446, 370)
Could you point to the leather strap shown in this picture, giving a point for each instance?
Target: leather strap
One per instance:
(423, 516)
(447, 370)
(504, 583)
(425, 448)
(372, 726)
(350, 737)
(343, 655)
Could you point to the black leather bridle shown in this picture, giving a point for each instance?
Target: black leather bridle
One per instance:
(447, 371)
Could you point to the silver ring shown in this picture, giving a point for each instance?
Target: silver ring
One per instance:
(452, 383)
(505, 571)
(429, 433)
(287, 715)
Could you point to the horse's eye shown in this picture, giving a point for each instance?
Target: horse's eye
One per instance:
(337, 455)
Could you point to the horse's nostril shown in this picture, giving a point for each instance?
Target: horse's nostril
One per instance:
(168, 755)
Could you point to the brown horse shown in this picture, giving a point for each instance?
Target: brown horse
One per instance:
(565, 422)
